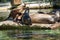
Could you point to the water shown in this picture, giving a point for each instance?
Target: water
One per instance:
(29, 35)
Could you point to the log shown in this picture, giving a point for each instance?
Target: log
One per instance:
(8, 22)
(42, 18)
(55, 26)
(11, 23)
(36, 17)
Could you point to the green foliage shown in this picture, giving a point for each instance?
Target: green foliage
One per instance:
(3, 1)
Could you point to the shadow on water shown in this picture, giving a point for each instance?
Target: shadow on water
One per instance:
(31, 35)
(26, 33)
(23, 34)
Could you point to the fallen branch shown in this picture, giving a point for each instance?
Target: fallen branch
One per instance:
(11, 23)
(8, 22)
(55, 26)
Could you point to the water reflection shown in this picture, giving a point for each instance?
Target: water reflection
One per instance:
(29, 35)
(24, 34)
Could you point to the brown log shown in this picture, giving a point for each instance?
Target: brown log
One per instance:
(55, 26)
(11, 23)
(8, 22)
(42, 18)
(35, 17)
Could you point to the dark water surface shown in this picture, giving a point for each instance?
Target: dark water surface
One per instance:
(29, 34)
